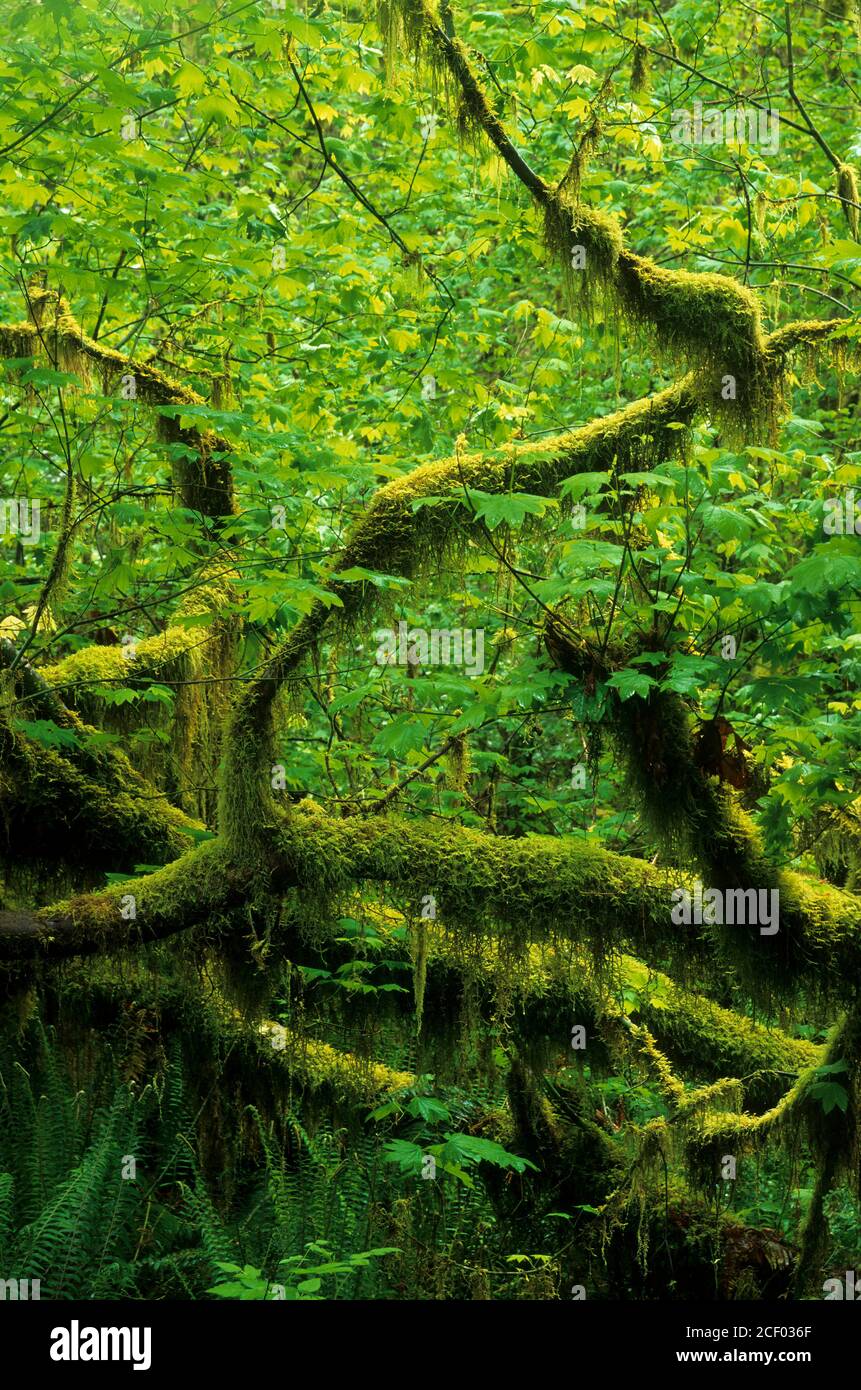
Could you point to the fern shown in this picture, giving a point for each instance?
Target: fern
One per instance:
(66, 1246)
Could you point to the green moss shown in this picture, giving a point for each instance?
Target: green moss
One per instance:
(90, 809)
(319, 1064)
(247, 809)
(395, 537)
(837, 847)
(710, 1041)
(529, 885)
(196, 660)
(586, 243)
(804, 334)
(155, 659)
(847, 189)
(458, 764)
(832, 1136)
(709, 321)
(204, 477)
(406, 22)
(712, 322)
(534, 993)
(671, 1088)
(202, 887)
(541, 888)
(640, 71)
(18, 340)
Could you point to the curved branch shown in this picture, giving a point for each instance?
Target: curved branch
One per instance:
(711, 321)
(398, 534)
(535, 888)
(207, 487)
(204, 885)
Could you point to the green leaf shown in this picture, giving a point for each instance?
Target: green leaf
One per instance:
(426, 1108)
(512, 508)
(830, 1096)
(403, 735)
(629, 682)
(46, 732)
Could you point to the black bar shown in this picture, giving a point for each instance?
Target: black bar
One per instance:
(266, 1340)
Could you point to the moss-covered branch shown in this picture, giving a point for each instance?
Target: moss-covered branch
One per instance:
(823, 1108)
(548, 990)
(204, 885)
(399, 536)
(541, 887)
(97, 814)
(99, 992)
(533, 888)
(714, 1042)
(76, 810)
(319, 1064)
(194, 657)
(711, 322)
(694, 817)
(206, 484)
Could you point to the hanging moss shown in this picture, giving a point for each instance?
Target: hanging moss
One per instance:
(847, 189)
(18, 341)
(713, 323)
(711, 1041)
(419, 937)
(573, 177)
(318, 1064)
(697, 820)
(260, 1063)
(585, 242)
(709, 321)
(690, 816)
(196, 660)
(396, 537)
(203, 886)
(204, 476)
(247, 811)
(671, 1245)
(458, 763)
(640, 73)
(96, 812)
(837, 847)
(832, 1135)
(532, 996)
(671, 1088)
(545, 888)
